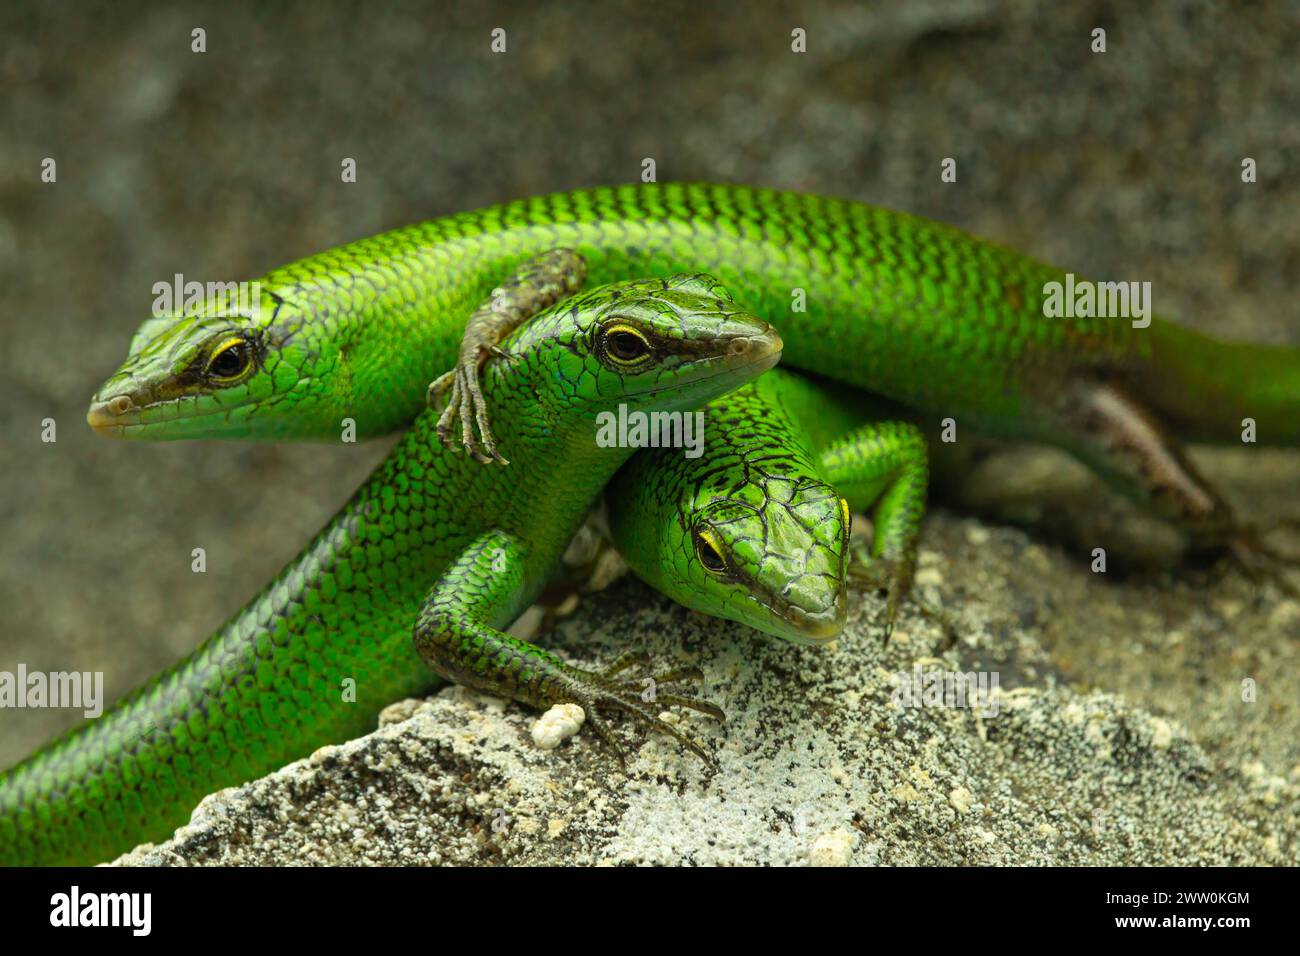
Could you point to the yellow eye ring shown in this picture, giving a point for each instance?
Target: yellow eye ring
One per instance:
(708, 552)
(231, 361)
(623, 344)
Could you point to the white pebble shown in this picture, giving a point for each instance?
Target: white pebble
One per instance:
(557, 725)
(832, 849)
(961, 799)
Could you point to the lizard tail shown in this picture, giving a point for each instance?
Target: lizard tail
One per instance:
(1206, 389)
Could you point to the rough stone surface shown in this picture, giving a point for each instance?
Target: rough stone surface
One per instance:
(818, 762)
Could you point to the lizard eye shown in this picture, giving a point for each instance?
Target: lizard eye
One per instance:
(230, 361)
(706, 549)
(624, 345)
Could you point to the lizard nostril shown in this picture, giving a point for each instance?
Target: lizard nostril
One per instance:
(107, 416)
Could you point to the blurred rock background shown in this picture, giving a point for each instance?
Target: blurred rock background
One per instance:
(225, 164)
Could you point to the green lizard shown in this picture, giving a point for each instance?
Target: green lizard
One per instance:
(922, 313)
(751, 531)
(272, 685)
(887, 454)
(750, 525)
(150, 398)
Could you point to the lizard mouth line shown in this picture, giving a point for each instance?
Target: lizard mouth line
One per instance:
(113, 425)
(769, 359)
(107, 423)
(805, 627)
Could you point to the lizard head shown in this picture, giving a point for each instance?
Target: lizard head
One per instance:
(772, 554)
(207, 371)
(760, 541)
(662, 345)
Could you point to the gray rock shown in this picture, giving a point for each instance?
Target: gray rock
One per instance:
(819, 762)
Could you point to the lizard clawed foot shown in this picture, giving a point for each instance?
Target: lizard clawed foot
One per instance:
(1260, 562)
(640, 698)
(535, 285)
(894, 577)
(465, 399)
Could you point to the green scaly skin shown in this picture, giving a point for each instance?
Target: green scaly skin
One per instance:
(920, 312)
(269, 687)
(756, 530)
(750, 531)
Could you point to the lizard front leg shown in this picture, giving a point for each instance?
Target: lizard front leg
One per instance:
(884, 467)
(536, 285)
(456, 634)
